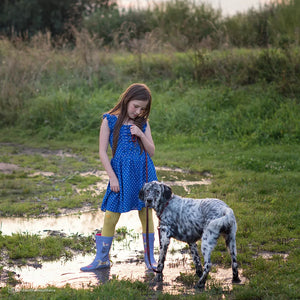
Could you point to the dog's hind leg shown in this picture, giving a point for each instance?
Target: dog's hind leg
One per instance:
(196, 258)
(209, 241)
(231, 246)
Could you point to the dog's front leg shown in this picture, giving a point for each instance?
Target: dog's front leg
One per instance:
(164, 244)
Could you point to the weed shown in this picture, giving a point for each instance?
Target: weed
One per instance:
(243, 131)
(187, 279)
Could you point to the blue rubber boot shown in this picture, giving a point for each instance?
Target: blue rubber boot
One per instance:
(103, 244)
(151, 248)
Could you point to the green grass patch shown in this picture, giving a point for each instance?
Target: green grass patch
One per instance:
(121, 289)
(243, 133)
(23, 246)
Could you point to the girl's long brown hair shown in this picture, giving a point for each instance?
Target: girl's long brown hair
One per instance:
(136, 91)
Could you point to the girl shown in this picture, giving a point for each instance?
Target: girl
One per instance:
(126, 129)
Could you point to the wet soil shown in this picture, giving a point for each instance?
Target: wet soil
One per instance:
(126, 255)
(8, 168)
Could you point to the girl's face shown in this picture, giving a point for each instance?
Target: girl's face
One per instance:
(136, 108)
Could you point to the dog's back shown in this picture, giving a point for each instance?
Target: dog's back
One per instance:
(188, 218)
(219, 214)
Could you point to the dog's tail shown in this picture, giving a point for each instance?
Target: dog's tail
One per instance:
(225, 223)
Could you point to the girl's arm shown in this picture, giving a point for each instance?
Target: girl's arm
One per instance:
(103, 145)
(146, 138)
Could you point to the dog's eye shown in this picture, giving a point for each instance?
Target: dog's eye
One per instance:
(157, 193)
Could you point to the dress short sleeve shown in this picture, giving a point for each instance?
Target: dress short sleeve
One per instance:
(112, 119)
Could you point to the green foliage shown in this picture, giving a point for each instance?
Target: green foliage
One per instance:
(250, 29)
(275, 23)
(226, 114)
(27, 18)
(54, 97)
(229, 113)
(119, 29)
(284, 23)
(181, 24)
(188, 279)
(103, 23)
(185, 24)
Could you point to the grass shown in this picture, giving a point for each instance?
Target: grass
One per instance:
(121, 289)
(23, 246)
(260, 183)
(244, 134)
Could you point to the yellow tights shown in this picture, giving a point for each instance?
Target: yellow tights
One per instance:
(111, 219)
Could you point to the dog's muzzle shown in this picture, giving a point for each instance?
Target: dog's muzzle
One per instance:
(148, 201)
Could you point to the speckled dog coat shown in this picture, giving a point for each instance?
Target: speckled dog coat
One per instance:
(189, 220)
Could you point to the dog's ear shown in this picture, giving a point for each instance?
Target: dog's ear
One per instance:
(141, 193)
(167, 192)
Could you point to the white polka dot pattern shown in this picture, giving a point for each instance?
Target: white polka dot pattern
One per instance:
(129, 165)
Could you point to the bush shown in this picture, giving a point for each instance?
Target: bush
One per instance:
(26, 18)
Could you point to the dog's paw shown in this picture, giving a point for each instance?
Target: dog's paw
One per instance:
(200, 286)
(158, 277)
(236, 280)
(199, 273)
(156, 280)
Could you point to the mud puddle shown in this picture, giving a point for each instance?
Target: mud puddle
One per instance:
(126, 256)
(63, 273)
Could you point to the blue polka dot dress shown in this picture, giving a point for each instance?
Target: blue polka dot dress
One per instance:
(129, 164)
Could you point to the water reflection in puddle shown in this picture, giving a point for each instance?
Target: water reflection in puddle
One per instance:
(83, 223)
(126, 264)
(126, 255)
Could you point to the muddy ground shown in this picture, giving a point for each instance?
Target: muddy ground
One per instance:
(126, 255)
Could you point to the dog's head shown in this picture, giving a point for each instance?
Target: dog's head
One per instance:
(155, 193)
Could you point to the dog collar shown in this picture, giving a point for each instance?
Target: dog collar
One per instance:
(159, 216)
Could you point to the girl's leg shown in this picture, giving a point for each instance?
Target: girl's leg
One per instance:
(143, 218)
(103, 242)
(110, 221)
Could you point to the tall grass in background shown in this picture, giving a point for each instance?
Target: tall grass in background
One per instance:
(286, 22)
(180, 24)
(32, 71)
(276, 24)
(237, 94)
(57, 90)
(186, 24)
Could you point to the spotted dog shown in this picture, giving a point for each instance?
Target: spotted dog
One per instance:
(189, 220)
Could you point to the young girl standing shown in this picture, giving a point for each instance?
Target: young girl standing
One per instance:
(126, 128)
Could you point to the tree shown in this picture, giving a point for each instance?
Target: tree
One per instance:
(27, 17)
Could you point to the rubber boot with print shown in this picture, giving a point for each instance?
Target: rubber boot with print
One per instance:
(151, 250)
(103, 244)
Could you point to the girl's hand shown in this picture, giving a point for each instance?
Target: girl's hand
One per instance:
(136, 131)
(114, 184)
